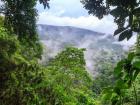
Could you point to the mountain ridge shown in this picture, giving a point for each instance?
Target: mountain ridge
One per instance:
(76, 30)
(57, 38)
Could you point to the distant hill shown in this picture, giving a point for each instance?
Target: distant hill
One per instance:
(74, 35)
(56, 38)
(64, 30)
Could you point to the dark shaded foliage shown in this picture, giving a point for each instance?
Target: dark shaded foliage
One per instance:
(125, 12)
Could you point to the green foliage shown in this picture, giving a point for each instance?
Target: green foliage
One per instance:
(104, 68)
(65, 81)
(68, 79)
(125, 12)
(45, 3)
(8, 48)
(71, 61)
(127, 17)
(20, 19)
(119, 95)
(24, 82)
(16, 73)
(126, 74)
(96, 7)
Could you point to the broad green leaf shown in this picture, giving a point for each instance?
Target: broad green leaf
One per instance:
(136, 62)
(131, 56)
(118, 68)
(107, 96)
(129, 34)
(126, 34)
(119, 11)
(119, 31)
(136, 74)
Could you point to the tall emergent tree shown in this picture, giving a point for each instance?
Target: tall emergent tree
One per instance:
(20, 19)
(20, 16)
(18, 45)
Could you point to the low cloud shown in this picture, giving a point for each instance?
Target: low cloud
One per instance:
(127, 43)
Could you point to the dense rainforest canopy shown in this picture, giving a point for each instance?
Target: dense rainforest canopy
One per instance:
(64, 80)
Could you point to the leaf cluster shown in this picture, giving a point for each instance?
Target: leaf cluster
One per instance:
(125, 12)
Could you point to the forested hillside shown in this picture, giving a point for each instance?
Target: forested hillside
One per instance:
(61, 37)
(64, 79)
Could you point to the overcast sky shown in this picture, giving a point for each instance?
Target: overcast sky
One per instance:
(72, 13)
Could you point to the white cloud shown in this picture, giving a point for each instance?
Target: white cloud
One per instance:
(72, 13)
(73, 8)
(127, 43)
(1, 3)
(88, 22)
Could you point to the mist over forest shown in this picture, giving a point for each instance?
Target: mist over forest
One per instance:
(69, 52)
(57, 38)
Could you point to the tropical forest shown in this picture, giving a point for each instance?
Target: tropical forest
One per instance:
(69, 52)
